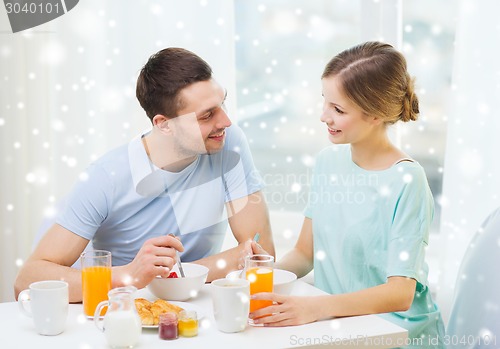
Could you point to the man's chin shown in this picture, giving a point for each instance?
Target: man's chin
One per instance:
(211, 149)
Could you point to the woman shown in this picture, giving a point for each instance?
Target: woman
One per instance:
(367, 222)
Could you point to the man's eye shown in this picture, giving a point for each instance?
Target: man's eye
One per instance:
(207, 116)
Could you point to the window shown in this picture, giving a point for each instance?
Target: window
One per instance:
(281, 49)
(428, 41)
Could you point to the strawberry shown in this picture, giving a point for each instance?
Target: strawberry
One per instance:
(173, 275)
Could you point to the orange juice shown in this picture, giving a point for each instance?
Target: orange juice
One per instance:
(96, 283)
(261, 280)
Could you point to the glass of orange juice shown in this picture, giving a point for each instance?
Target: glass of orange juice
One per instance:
(96, 279)
(259, 271)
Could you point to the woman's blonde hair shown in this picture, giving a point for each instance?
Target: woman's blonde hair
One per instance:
(375, 78)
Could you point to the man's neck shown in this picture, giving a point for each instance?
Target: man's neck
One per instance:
(160, 150)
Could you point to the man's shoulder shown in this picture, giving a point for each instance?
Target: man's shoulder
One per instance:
(113, 161)
(234, 152)
(114, 155)
(234, 137)
(236, 147)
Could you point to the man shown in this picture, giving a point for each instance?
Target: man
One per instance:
(188, 176)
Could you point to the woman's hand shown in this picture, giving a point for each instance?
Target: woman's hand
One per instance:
(155, 258)
(287, 310)
(250, 248)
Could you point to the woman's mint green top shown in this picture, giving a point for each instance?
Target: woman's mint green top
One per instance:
(371, 225)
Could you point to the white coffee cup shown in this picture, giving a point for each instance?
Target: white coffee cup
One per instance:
(231, 301)
(48, 305)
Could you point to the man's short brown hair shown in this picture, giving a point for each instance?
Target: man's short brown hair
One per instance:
(164, 75)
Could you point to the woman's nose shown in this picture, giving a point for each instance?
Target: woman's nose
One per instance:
(325, 117)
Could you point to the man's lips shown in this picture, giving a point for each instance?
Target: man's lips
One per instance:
(219, 136)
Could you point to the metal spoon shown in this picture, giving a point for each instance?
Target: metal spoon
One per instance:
(180, 264)
(178, 260)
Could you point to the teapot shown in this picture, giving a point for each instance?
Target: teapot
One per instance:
(121, 324)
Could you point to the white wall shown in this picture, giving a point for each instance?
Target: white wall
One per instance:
(68, 96)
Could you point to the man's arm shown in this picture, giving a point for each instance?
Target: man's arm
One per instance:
(60, 248)
(247, 216)
(52, 260)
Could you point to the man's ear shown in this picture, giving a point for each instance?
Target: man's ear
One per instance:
(162, 123)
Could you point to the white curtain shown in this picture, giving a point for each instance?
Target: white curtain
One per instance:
(471, 187)
(382, 20)
(67, 95)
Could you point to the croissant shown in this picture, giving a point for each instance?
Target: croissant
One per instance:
(149, 312)
(142, 303)
(147, 317)
(167, 307)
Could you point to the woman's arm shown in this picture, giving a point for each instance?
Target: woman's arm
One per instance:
(299, 260)
(395, 295)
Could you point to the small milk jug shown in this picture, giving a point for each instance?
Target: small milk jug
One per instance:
(122, 324)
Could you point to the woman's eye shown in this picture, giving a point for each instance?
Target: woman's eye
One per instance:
(338, 110)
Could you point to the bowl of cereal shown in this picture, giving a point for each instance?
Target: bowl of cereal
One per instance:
(177, 288)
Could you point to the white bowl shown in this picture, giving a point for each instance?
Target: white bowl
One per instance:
(283, 280)
(181, 288)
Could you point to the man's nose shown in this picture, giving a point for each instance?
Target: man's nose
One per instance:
(223, 120)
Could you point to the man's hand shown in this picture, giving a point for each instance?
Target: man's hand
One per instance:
(155, 258)
(250, 248)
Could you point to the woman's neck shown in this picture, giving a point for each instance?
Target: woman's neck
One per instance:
(375, 153)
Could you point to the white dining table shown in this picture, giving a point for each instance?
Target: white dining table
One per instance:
(370, 331)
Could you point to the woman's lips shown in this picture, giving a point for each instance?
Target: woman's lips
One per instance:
(333, 131)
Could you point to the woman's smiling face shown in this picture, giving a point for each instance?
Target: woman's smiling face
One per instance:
(346, 122)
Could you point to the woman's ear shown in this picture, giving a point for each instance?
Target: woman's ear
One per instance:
(377, 121)
(162, 123)
(374, 120)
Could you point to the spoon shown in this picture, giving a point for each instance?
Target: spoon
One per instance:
(178, 260)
